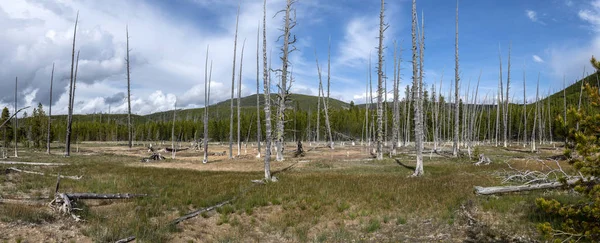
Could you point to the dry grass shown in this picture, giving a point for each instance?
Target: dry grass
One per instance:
(328, 196)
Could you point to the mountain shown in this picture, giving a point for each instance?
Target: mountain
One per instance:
(248, 105)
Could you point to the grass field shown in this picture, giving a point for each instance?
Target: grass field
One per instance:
(327, 196)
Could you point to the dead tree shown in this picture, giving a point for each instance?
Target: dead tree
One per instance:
(258, 132)
(239, 98)
(129, 128)
(174, 151)
(326, 103)
(288, 41)
(506, 100)
(233, 85)
(499, 98)
(524, 111)
(382, 28)
(533, 148)
(395, 108)
(49, 112)
(206, 104)
(456, 83)
(16, 119)
(417, 96)
(267, 93)
(71, 84)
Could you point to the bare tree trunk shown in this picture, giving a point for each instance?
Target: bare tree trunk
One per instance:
(318, 106)
(533, 148)
(506, 101)
(500, 99)
(233, 85)
(456, 82)
(70, 108)
(289, 23)
(417, 96)
(239, 98)
(382, 28)
(206, 104)
(49, 112)
(524, 111)
(327, 101)
(16, 119)
(396, 110)
(129, 129)
(266, 88)
(258, 131)
(174, 151)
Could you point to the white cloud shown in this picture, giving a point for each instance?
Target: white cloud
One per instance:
(532, 15)
(538, 59)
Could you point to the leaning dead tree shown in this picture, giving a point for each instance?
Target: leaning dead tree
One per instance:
(456, 83)
(287, 48)
(49, 112)
(267, 93)
(206, 103)
(129, 128)
(233, 85)
(382, 28)
(71, 93)
(417, 96)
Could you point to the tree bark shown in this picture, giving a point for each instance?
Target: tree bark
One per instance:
(382, 28)
(456, 82)
(267, 93)
(417, 96)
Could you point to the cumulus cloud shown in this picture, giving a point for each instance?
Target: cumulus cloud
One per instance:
(533, 16)
(167, 52)
(538, 59)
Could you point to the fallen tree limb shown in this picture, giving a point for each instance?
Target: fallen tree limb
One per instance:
(521, 188)
(75, 196)
(30, 163)
(40, 173)
(199, 211)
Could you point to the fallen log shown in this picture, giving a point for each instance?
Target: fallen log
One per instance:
(30, 163)
(521, 188)
(28, 201)
(40, 173)
(85, 195)
(198, 212)
(176, 150)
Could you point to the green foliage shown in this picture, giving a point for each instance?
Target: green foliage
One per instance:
(580, 220)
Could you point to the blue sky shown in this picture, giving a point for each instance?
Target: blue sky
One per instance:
(554, 38)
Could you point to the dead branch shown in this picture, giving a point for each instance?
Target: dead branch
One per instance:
(521, 188)
(483, 160)
(198, 212)
(30, 163)
(40, 173)
(63, 202)
(176, 150)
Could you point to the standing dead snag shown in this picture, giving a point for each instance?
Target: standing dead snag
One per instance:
(257, 92)
(267, 93)
(232, 85)
(382, 28)
(129, 128)
(173, 151)
(206, 103)
(71, 84)
(239, 97)
(326, 103)
(288, 40)
(16, 119)
(49, 112)
(395, 108)
(417, 96)
(456, 83)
